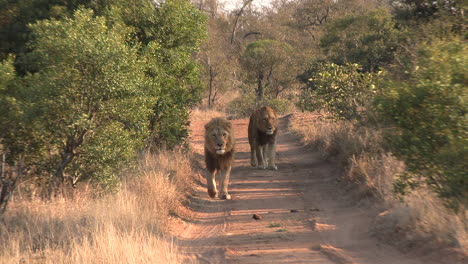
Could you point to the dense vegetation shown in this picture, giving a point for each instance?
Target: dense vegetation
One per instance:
(86, 85)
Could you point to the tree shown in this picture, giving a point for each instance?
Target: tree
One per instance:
(370, 40)
(219, 62)
(427, 8)
(15, 17)
(87, 105)
(170, 34)
(267, 64)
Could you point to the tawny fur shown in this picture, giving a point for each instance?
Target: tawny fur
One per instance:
(219, 155)
(263, 128)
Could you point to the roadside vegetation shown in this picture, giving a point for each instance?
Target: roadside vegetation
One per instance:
(91, 90)
(128, 226)
(95, 99)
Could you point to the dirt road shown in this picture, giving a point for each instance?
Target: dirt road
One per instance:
(306, 217)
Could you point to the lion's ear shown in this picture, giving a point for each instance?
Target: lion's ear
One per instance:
(228, 124)
(208, 126)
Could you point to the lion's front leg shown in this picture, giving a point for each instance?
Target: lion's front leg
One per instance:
(224, 184)
(253, 156)
(261, 156)
(272, 156)
(211, 181)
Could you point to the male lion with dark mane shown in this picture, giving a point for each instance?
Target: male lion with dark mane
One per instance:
(263, 127)
(219, 155)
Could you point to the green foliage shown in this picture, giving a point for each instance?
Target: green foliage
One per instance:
(267, 65)
(429, 113)
(344, 91)
(8, 105)
(87, 104)
(7, 73)
(97, 89)
(170, 34)
(369, 40)
(262, 54)
(15, 17)
(410, 9)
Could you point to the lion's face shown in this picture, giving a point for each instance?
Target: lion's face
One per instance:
(218, 136)
(267, 121)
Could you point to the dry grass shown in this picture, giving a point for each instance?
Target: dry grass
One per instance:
(420, 219)
(126, 227)
(205, 114)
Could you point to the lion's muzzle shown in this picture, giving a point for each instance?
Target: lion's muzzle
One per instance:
(220, 151)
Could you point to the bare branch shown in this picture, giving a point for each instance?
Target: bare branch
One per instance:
(251, 33)
(238, 15)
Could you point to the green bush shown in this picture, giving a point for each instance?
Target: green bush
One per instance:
(106, 84)
(344, 91)
(428, 116)
(87, 106)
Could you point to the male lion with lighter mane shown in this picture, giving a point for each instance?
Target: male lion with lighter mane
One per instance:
(263, 127)
(219, 155)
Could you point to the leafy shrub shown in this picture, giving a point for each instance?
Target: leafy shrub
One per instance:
(87, 105)
(343, 91)
(103, 88)
(428, 112)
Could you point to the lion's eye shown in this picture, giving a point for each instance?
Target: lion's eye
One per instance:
(224, 134)
(214, 135)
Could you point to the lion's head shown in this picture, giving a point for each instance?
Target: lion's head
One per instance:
(219, 137)
(267, 121)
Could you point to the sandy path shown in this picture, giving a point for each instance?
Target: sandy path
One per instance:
(306, 217)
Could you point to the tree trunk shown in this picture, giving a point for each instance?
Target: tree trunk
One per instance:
(8, 185)
(69, 153)
(259, 89)
(211, 87)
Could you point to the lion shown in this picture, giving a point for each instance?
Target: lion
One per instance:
(219, 155)
(263, 127)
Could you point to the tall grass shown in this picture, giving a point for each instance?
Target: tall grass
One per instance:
(127, 227)
(420, 218)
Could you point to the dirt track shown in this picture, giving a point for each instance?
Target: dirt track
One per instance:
(307, 218)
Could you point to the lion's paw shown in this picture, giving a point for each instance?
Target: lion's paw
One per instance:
(225, 196)
(273, 167)
(212, 193)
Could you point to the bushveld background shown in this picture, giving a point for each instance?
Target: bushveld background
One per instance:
(96, 98)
